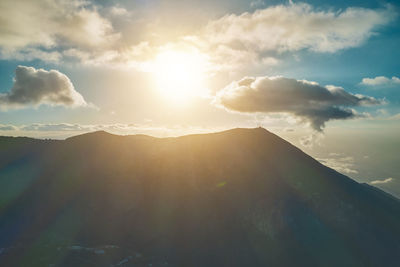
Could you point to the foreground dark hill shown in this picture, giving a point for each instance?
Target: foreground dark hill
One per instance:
(243, 197)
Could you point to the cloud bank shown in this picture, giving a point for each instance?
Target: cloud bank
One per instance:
(33, 87)
(340, 163)
(298, 26)
(304, 99)
(61, 30)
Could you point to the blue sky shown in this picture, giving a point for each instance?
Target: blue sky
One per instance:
(322, 73)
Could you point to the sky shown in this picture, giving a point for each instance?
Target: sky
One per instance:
(324, 75)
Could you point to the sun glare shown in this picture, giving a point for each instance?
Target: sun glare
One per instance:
(180, 76)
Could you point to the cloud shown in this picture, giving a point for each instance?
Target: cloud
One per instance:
(33, 87)
(381, 81)
(304, 99)
(385, 181)
(310, 140)
(257, 4)
(29, 54)
(55, 127)
(298, 26)
(395, 117)
(234, 41)
(4, 127)
(44, 24)
(340, 163)
(76, 30)
(118, 11)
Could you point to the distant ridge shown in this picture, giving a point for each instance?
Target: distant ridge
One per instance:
(95, 134)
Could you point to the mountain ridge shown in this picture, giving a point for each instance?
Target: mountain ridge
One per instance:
(235, 198)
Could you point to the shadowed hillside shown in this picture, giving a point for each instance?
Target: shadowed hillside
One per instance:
(242, 197)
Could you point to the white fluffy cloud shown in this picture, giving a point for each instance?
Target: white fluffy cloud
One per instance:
(381, 81)
(37, 86)
(304, 99)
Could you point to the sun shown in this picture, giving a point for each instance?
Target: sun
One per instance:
(180, 75)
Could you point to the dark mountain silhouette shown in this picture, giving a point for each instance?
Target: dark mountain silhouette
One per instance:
(243, 197)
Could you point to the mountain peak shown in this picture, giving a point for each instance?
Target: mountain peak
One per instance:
(245, 194)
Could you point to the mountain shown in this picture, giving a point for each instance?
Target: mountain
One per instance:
(243, 197)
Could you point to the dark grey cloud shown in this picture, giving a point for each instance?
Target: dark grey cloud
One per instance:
(308, 100)
(37, 86)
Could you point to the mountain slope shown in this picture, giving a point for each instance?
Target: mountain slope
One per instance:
(243, 197)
